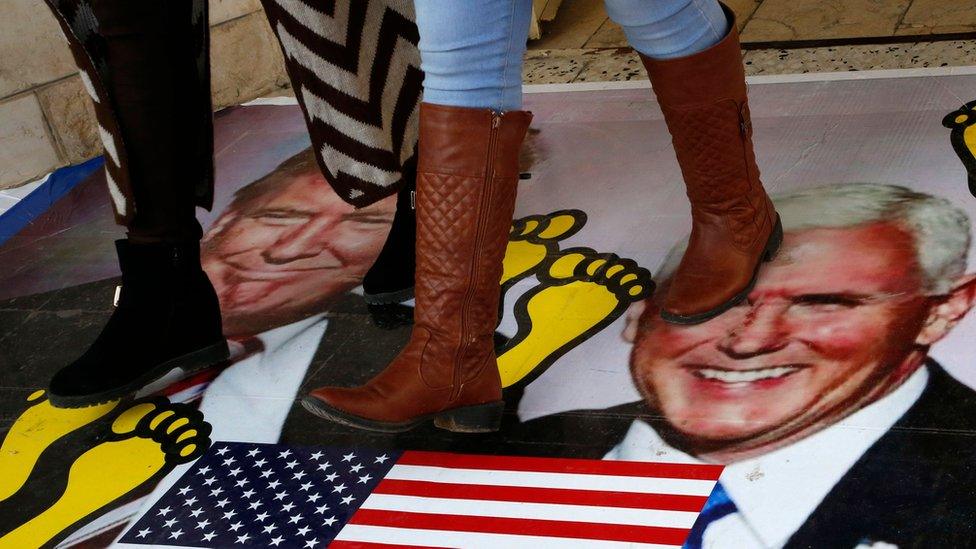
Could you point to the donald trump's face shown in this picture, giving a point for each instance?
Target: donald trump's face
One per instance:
(288, 251)
(835, 322)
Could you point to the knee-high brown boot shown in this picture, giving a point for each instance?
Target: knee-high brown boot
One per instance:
(734, 228)
(466, 182)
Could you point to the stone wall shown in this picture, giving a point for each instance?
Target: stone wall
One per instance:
(46, 118)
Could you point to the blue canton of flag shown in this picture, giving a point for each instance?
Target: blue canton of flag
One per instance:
(263, 495)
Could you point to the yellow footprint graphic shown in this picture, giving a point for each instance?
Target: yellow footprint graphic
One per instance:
(962, 122)
(33, 432)
(534, 238)
(145, 441)
(580, 292)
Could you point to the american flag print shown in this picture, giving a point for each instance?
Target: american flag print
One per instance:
(261, 495)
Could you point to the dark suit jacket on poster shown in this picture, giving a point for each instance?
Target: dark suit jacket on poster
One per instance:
(915, 487)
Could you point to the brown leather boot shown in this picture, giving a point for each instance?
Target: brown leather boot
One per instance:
(466, 182)
(734, 225)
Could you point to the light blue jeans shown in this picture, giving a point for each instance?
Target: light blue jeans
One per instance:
(471, 50)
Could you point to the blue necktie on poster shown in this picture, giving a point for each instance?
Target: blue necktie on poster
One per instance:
(719, 505)
(264, 495)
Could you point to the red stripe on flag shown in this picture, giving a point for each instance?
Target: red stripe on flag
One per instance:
(523, 494)
(524, 527)
(562, 465)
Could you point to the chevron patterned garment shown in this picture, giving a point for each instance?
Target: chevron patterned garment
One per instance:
(354, 66)
(355, 69)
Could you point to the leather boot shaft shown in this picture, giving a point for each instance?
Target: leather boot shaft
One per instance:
(466, 185)
(703, 99)
(467, 179)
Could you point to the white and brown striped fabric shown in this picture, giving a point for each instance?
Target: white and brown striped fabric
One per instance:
(355, 68)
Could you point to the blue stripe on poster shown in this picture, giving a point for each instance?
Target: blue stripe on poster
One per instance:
(49, 192)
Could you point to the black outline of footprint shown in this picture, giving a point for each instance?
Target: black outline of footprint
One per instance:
(546, 280)
(958, 140)
(58, 458)
(518, 234)
(168, 441)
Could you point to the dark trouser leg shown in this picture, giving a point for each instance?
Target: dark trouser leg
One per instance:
(145, 64)
(161, 101)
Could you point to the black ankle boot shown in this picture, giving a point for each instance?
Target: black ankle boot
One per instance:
(390, 279)
(167, 316)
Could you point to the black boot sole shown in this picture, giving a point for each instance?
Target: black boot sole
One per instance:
(189, 363)
(481, 418)
(389, 298)
(772, 246)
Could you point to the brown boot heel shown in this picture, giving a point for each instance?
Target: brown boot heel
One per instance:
(483, 418)
(774, 242)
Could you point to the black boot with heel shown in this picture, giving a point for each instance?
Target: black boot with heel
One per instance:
(167, 316)
(391, 278)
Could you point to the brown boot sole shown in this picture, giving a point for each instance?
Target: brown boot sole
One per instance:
(481, 418)
(772, 246)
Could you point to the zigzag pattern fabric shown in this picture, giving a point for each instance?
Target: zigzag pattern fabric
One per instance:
(355, 69)
(80, 26)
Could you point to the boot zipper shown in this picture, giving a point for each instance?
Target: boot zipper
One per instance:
(744, 130)
(496, 121)
(744, 127)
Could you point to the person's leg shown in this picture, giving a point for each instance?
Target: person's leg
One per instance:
(361, 112)
(472, 52)
(691, 51)
(162, 105)
(666, 29)
(470, 135)
(145, 66)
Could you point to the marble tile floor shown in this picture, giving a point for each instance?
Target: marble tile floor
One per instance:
(584, 23)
